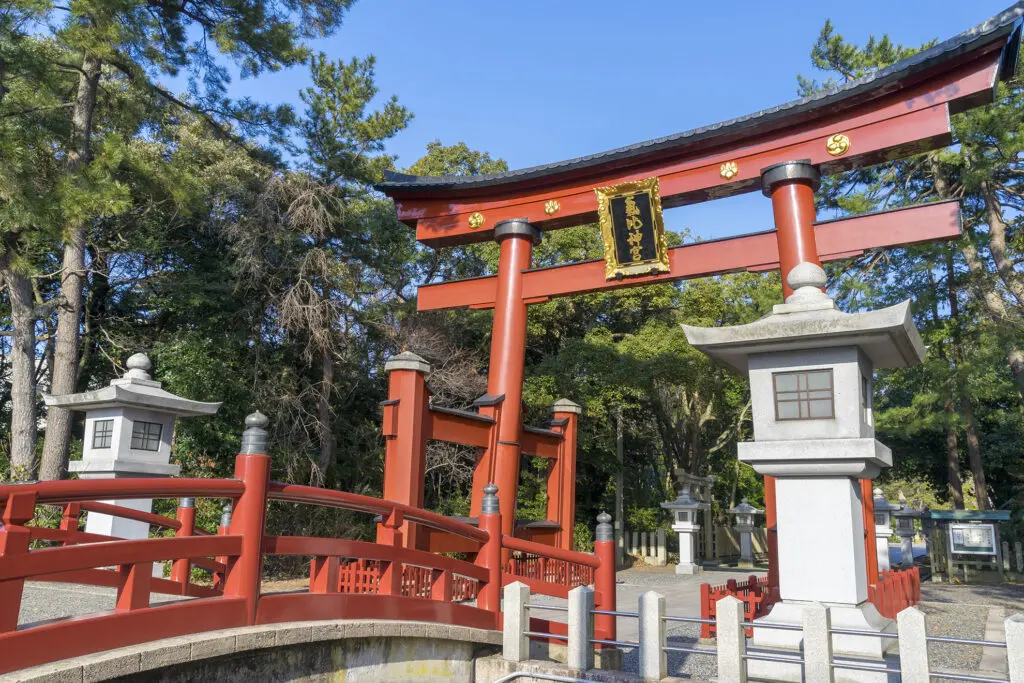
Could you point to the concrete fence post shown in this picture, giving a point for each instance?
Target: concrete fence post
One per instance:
(1006, 556)
(817, 623)
(581, 629)
(1015, 646)
(1018, 552)
(636, 543)
(643, 545)
(515, 643)
(732, 641)
(912, 628)
(662, 549)
(653, 659)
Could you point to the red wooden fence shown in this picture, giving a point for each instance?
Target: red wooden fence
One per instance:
(348, 578)
(895, 591)
(754, 593)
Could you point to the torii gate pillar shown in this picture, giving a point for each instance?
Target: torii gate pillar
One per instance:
(508, 357)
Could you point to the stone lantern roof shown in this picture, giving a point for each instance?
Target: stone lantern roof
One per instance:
(135, 390)
(745, 508)
(809, 319)
(882, 505)
(685, 501)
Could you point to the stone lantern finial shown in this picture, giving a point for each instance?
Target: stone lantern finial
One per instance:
(138, 366)
(807, 280)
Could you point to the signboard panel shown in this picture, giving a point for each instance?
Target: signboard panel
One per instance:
(972, 539)
(632, 229)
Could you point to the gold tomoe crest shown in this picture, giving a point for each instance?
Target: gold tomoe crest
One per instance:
(632, 229)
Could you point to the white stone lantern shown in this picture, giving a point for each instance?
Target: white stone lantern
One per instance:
(129, 428)
(744, 513)
(905, 516)
(883, 529)
(685, 509)
(810, 367)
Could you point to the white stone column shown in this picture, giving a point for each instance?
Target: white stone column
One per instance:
(515, 643)
(732, 641)
(1015, 647)
(913, 646)
(817, 644)
(581, 629)
(653, 659)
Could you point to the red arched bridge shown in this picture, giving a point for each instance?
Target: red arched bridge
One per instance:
(348, 579)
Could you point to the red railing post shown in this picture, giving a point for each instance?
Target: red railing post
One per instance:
(604, 577)
(222, 530)
(489, 557)
(248, 519)
(705, 609)
(323, 574)
(14, 540)
(441, 585)
(181, 569)
(69, 522)
(133, 593)
(390, 582)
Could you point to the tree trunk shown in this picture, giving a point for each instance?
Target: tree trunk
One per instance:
(95, 305)
(974, 455)
(65, 356)
(955, 484)
(24, 428)
(973, 447)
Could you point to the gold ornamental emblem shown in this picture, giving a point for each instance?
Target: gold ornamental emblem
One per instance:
(837, 145)
(728, 170)
(551, 207)
(476, 219)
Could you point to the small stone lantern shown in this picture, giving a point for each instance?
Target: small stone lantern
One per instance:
(129, 427)
(905, 516)
(883, 529)
(685, 509)
(744, 513)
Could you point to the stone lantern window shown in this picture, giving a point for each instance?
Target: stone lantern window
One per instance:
(804, 395)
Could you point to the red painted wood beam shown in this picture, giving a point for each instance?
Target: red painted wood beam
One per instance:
(540, 445)
(904, 123)
(461, 429)
(836, 239)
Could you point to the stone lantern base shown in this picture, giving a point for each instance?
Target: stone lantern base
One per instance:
(687, 544)
(866, 650)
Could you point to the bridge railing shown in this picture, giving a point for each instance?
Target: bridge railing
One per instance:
(400, 582)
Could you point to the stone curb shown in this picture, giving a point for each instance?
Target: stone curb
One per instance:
(158, 654)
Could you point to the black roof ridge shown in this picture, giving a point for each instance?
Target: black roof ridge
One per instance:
(1002, 24)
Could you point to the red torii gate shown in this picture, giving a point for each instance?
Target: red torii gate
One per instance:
(895, 112)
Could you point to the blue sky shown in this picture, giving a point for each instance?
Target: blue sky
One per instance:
(534, 82)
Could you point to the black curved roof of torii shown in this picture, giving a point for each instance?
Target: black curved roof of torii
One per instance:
(1003, 26)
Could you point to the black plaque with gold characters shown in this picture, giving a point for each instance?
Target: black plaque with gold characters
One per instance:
(632, 229)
